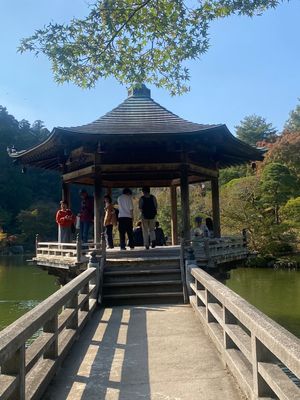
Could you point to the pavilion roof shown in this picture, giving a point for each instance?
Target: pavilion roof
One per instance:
(139, 114)
(139, 124)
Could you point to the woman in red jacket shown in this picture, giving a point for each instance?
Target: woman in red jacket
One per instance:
(64, 219)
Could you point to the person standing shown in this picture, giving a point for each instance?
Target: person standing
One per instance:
(148, 208)
(126, 218)
(64, 219)
(110, 219)
(86, 214)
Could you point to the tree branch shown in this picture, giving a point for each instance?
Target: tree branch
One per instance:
(123, 25)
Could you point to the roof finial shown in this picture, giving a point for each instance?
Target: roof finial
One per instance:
(139, 90)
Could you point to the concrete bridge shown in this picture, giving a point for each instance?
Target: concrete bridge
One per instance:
(215, 346)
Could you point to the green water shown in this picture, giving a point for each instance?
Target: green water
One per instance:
(275, 292)
(22, 287)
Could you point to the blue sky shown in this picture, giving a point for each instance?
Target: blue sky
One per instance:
(252, 67)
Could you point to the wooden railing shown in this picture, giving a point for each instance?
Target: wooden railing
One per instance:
(67, 253)
(263, 356)
(27, 370)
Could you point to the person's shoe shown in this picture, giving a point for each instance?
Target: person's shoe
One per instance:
(122, 248)
(147, 247)
(131, 248)
(110, 247)
(153, 244)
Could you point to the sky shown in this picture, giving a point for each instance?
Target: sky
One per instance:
(251, 67)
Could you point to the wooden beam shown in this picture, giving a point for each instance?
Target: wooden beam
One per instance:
(66, 193)
(174, 225)
(83, 172)
(191, 179)
(185, 202)
(216, 207)
(98, 209)
(140, 167)
(197, 169)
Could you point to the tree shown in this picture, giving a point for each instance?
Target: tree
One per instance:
(253, 129)
(278, 184)
(286, 151)
(227, 174)
(291, 212)
(18, 190)
(136, 41)
(38, 219)
(293, 123)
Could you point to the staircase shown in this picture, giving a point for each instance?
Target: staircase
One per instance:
(142, 281)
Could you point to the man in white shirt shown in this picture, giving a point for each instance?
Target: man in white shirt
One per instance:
(126, 218)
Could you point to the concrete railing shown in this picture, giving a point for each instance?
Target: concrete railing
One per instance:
(68, 253)
(218, 249)
(28, 365)
(263, 356)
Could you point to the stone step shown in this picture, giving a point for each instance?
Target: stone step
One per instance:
(120, 272)
(142, 276)
(141, 283)
(143, 298)
(141, 267)
(142, 288)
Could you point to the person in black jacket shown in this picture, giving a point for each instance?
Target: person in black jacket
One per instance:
(159, 235)
(148, 208)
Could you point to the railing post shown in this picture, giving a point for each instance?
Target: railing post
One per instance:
(259, 353)
(183, 271)
(206, 248)
(15, 366)
(244, 233)
(78, 248)
(37, 238)
(51, 326)
(73, 304)
(94, 263)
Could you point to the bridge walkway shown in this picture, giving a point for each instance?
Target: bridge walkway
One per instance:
(143, 352)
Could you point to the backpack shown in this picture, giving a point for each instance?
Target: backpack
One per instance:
(148, 207)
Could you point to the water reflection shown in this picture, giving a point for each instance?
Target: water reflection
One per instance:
(22, 287)
(275, 293)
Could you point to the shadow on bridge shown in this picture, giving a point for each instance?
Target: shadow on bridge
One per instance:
(110, 361)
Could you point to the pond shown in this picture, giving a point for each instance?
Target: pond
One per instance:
(275, 292)
(22, 287)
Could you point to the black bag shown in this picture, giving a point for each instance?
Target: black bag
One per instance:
(148, 207)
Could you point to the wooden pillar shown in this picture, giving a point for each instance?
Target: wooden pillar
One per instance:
(174, 225)
(66, 193)
(216, 206)
(185, 202)
(98, 208)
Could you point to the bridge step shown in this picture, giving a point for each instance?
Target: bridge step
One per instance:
(142, 282)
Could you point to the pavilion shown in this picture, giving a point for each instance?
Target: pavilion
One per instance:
(140, 143)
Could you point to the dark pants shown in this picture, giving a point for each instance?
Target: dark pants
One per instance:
(125, 226)
(109, 235)
(84, 231)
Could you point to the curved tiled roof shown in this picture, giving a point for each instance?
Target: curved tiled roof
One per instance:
(143, 126)
(139, 114)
